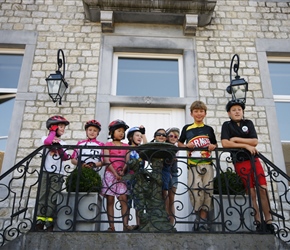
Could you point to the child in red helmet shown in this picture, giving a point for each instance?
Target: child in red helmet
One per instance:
(52, 175)
(90, 157)
(113, 185)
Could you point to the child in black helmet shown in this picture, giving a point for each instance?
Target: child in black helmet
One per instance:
(241, 133)
(91, 157)
(52, 175)
(113, 185)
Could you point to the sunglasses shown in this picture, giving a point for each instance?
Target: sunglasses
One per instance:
(173, 136)
(159, 134)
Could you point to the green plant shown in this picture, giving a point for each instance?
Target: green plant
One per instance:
(89, 180)
(231, 183)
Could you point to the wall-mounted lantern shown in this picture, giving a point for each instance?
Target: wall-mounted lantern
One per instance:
(56, 83)
(238, 86)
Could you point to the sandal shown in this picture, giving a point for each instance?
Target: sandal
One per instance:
(111, 229)
(128, 228)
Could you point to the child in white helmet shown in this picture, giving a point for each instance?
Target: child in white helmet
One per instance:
(135, 136)
(90, 157)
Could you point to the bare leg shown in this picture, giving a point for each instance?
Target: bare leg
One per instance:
(203, 214)
(110, 210)
(124, 209)
(166, 200)
(255, 205)
(171, 196)
(265, 204)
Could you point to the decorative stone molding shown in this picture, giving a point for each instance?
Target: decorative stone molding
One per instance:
(190, 14)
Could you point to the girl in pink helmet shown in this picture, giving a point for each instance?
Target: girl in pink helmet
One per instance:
(52, 173)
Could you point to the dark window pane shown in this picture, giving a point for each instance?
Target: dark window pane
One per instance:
(283, 108)
(280, 77)
(148, 77)
(10, 66)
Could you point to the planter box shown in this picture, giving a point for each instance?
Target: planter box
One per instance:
(237, 213)
(88, 212)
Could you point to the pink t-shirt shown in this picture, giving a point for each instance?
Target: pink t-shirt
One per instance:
(117, 157)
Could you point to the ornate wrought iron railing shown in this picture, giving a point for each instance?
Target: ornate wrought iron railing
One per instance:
(229, 209)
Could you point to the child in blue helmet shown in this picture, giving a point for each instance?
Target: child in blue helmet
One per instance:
(52, 175)
(135, 136)
(90, 157)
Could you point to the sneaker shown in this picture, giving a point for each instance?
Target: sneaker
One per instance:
(39, 226)
(270, 228)
(203, 228)
(259, 227)
(195, 225)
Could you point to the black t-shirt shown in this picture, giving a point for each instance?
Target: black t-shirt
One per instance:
(246, 129)
(201, 137)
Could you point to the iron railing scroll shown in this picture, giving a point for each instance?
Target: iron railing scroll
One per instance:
(231, 209)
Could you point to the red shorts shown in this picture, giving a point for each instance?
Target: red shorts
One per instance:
(245, 171)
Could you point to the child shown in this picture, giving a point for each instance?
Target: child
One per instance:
(135, 136)
(91, 157)
(160, 136)
(201, 173)
(52, 176)
(112, 183)
(172, 137)
(241, 133)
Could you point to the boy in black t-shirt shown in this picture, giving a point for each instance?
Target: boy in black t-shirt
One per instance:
(201, 173)
(241, 133)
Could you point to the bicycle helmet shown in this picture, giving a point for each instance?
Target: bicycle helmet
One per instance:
(54, 120)
(172, 129)
(131, 131)
(93, 123)
(233, 103)
(115, 125)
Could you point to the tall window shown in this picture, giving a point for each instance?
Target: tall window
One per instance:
(280, 78)
(10, 66)
(148, 75)
(279, 69)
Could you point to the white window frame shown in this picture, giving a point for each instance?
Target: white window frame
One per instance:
(177, 57)
(12, 91)
(11, 51)
(280, 98)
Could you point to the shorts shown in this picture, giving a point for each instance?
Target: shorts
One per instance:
(174, 180)
(166, 178)
(245, 171)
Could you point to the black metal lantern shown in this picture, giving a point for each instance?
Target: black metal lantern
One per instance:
(238, 87)
(56, 83)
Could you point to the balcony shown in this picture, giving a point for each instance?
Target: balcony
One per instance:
(189, 14)
(74, 212)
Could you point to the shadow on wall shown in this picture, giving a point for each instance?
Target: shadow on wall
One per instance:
(1, 160)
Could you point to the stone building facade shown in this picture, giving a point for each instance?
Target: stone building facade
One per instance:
(253, 29)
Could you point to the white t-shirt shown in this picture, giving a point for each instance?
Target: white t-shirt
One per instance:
(89, 154)
(53, 161)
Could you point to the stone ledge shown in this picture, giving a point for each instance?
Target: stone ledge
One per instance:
(157, 241)
(170, 12)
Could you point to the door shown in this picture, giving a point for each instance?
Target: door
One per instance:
(153, 119)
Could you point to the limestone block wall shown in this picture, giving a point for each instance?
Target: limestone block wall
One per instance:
(61, 24)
